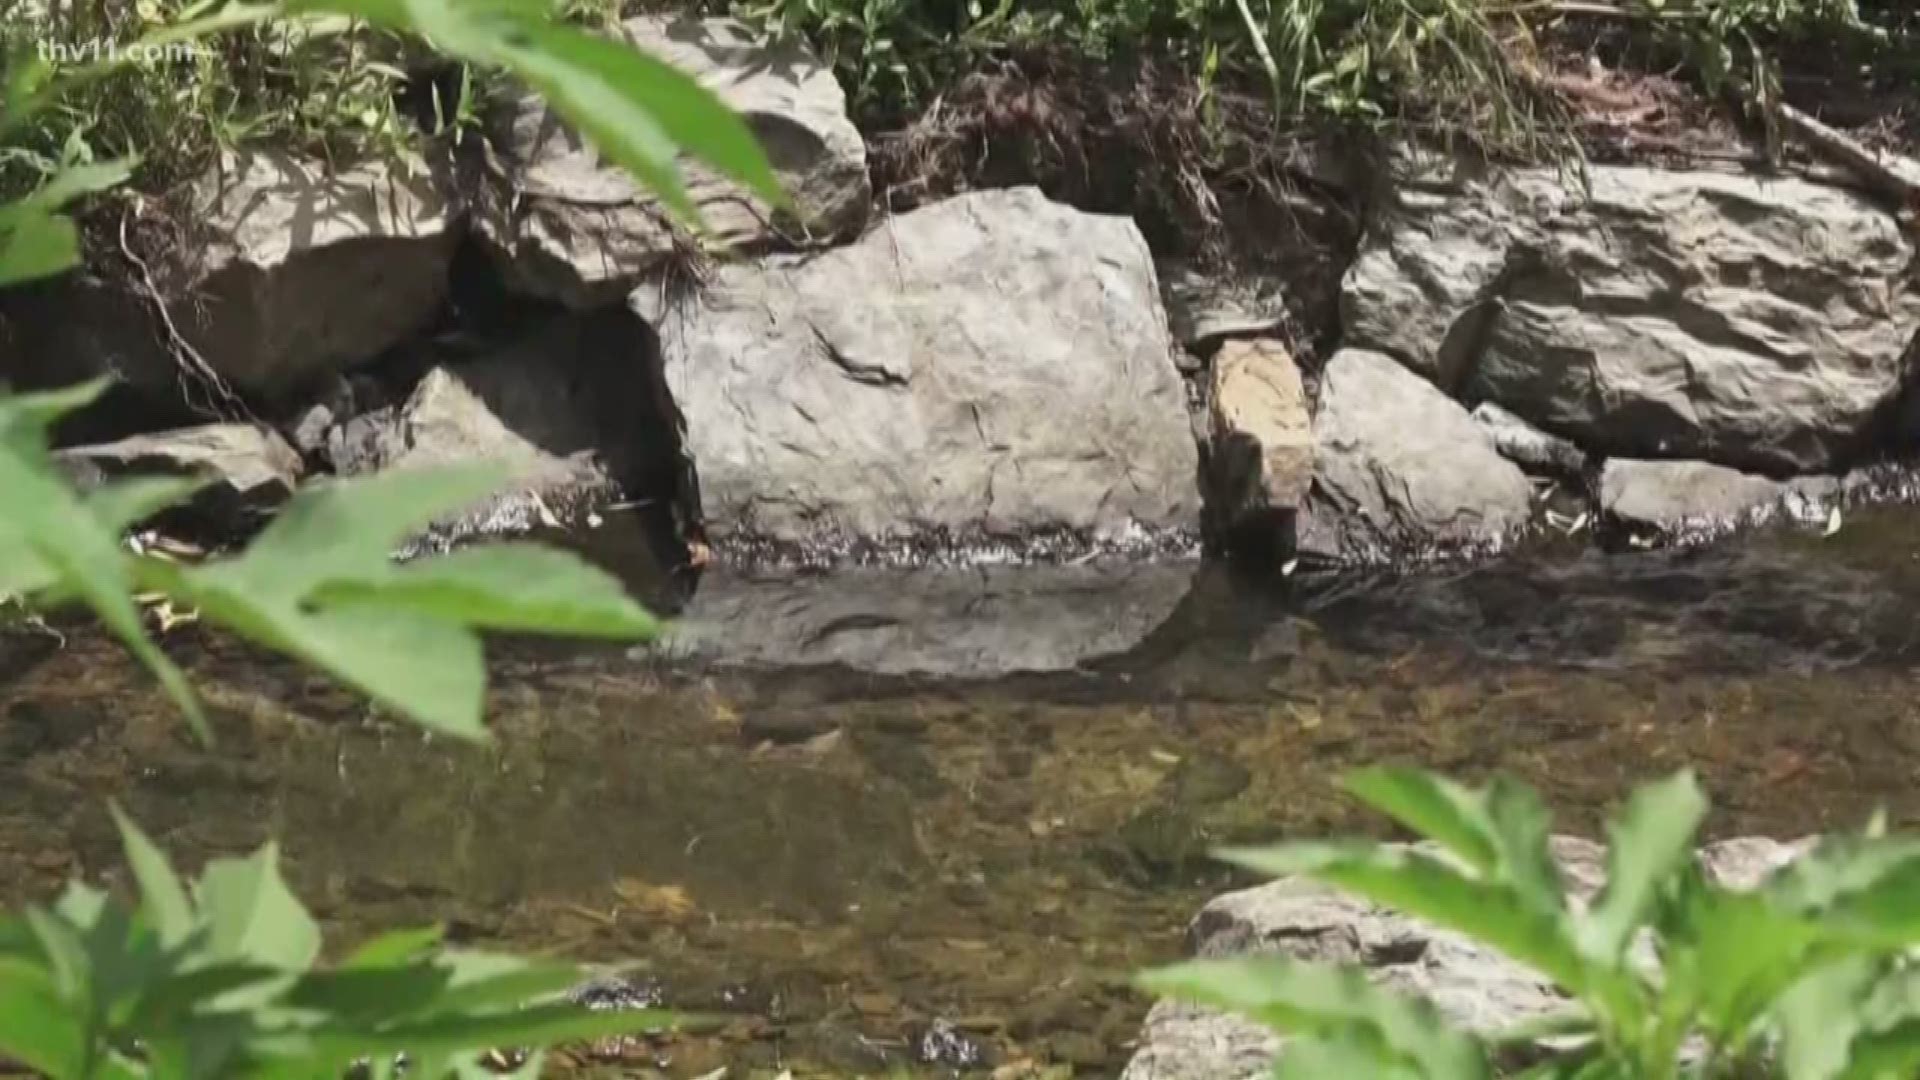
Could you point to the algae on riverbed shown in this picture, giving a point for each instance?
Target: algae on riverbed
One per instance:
(856, 872)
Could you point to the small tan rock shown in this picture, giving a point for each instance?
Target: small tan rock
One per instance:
(1261, 432)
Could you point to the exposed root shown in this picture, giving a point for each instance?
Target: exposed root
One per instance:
(216, 398)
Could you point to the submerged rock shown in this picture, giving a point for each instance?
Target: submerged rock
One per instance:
(568, 226)
(944, 621)
(1260, 435)
(1472, 985)
(248, 469)
(572, 411)
(1754, 322)
(990, 370)
(1527, 446)
(1694, 500)
(1401, 469)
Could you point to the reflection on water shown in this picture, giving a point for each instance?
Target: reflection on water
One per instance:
(859, 870)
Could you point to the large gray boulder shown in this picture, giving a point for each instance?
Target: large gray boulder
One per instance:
(1472, 986)
(1402, 470)
(1754, 322)
(291, 271)
(991, 370)
(568, 226)
(306, 271)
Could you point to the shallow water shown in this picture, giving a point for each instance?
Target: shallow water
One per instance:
(860, 872)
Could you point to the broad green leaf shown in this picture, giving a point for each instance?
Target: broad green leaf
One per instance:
(1342, 1053)
(371, 994)
(1521, 824)
(1729, 956)
(395, 947)
(1860, 889)
(522, 587)
(431, 671)
(1421, 885)
(35, 244)
(348, 530)
(1820, 1015)
(1311, 999)
(1885, 1055)
(486, 981)
(1652, 840)
(251, 916)
(162, 896)
(1450, 814)
(86, 559)
(629, 103)
(39, 1027)
(76, 180)
(540, 1025)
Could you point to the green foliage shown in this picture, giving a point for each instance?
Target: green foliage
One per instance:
(641, 113)
(1810, 974)
(221, 978)
(318, 584)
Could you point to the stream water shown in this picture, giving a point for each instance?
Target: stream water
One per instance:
(858, 874)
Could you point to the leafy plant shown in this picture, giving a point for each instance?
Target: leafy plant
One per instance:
(223, 979)
(1669, 974)
(640, 112)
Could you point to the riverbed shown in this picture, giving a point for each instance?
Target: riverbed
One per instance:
(856, 873)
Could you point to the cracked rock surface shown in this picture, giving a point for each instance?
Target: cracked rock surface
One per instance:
(990, 368)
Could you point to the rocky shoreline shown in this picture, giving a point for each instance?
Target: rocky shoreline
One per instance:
(1637, 354)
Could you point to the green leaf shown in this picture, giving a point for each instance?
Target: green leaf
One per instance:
(1729, 956)
(1652, 840)
(540, 1025)
(66, 538)
(1342, 1053)
(1820, 1015)
(39, 1027)
(369, 993)
(522, 587)
(1422, 886)
(1438, 809)
(34, 244)
(1310, 999)
(252, 916)
(395, 947)
(162, 897)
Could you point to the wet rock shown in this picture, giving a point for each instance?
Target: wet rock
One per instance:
(1754, 322)
(1527, 446)
(948, 621)
(990, 370)
(1473, 986)
(1401, 469)
(1260, 434)
(248, 469)
(1693, 500)
(568, 226)
(570, 410)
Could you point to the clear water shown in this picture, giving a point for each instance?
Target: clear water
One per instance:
(860, 874)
